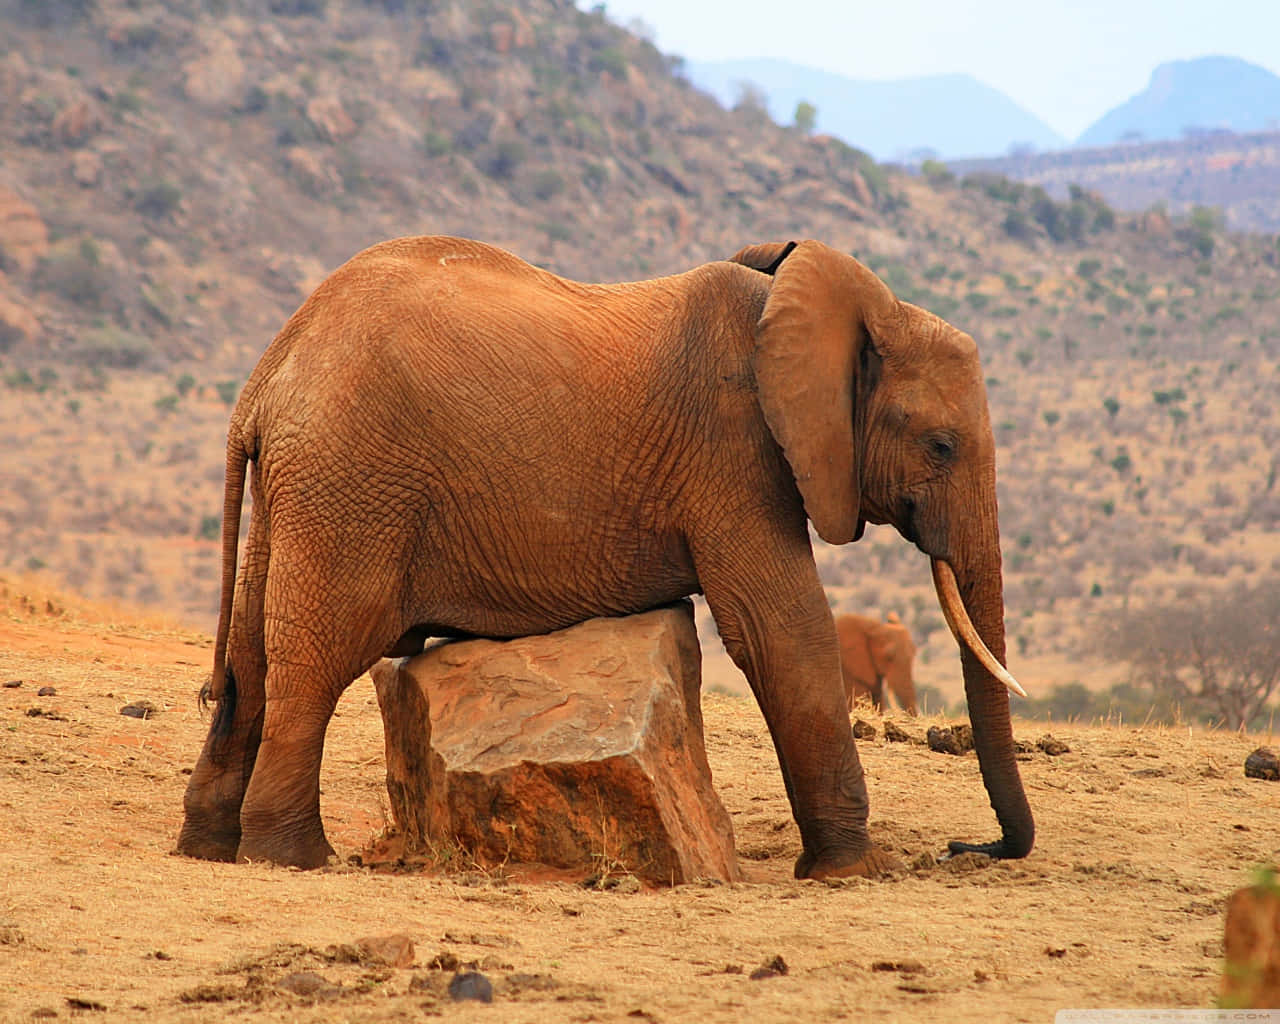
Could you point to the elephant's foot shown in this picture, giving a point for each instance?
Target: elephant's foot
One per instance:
(208, 841)
(306, 851)
(211, 818)
(872, 862)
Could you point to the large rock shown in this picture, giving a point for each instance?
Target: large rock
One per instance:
(1251, 944)
(24, 237)
(581, 749)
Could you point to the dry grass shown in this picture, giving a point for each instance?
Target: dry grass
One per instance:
(1143, 832)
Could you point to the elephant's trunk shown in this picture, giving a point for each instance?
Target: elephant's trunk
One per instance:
(974, 608)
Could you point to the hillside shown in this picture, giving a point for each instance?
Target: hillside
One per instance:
(1235, 174)
(946, 115)
(175, 177)
(1188, 97)
(1143, 832)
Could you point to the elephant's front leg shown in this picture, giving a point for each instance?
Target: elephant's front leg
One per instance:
(777, 627)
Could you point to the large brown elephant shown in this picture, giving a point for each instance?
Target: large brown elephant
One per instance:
(448, 441)
(873, 653)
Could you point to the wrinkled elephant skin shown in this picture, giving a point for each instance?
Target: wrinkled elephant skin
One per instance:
(447, 441)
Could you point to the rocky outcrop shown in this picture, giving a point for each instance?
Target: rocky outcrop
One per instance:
(1251, 946)
(24, 237)
(582, 749)
(216, 78)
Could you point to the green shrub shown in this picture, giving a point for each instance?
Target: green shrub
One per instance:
(936, 173)
(227, 391)
(547, 184)
(436, 143)
(612, 60)
(73, 270)
(112, 347)
(505, 157)
(158, 199)
(805, 117)
(210, 528)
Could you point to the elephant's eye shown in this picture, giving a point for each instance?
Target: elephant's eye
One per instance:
(942, 447)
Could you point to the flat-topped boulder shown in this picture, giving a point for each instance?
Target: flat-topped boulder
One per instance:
(581, 749)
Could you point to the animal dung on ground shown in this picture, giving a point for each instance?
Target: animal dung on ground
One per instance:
(1263, 763)
(864, 730)
(773, 968)
(1051, 746)
(896, 734)
(956, 739)
(140, 709)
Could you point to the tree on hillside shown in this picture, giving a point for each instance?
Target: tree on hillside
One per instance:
(1217, 656)
(805, 117)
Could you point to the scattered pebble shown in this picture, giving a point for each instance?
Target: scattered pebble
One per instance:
(1263, 763)
(1055, 952)
(393, 950)
(898, 966)
(143, 709)
(471, 985)
(46, 691)
(13, 684)
(304, 983)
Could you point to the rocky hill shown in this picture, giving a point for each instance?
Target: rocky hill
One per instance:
(1189, 97)
(176, 175)
(952, 115)
(1238, 175)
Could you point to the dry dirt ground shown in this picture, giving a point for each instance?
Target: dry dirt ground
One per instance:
(1142, 835)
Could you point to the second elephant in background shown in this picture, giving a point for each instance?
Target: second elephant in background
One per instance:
(873, 653)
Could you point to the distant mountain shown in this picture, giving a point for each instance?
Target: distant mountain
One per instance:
(952, 115)
(1193, 97)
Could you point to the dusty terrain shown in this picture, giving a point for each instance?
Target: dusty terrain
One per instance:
(1142, 834)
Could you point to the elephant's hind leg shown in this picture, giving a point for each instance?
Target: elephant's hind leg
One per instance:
(316, 643)
(211, 805)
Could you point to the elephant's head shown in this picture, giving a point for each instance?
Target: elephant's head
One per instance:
(880, 408)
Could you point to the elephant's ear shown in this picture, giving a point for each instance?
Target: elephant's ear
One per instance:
(766, 257)
(812, 359)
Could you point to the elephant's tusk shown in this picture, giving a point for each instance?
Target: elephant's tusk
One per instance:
(962, 628)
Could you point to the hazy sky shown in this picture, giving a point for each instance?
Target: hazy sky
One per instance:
(1066, 61)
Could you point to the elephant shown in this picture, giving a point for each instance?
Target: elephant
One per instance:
(447, 441)
(873, 653)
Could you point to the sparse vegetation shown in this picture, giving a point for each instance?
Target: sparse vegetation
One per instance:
(1211, 656)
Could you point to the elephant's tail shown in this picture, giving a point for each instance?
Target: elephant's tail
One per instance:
(222, 685)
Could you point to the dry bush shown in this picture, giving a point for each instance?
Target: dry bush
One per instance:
(1217, 656)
